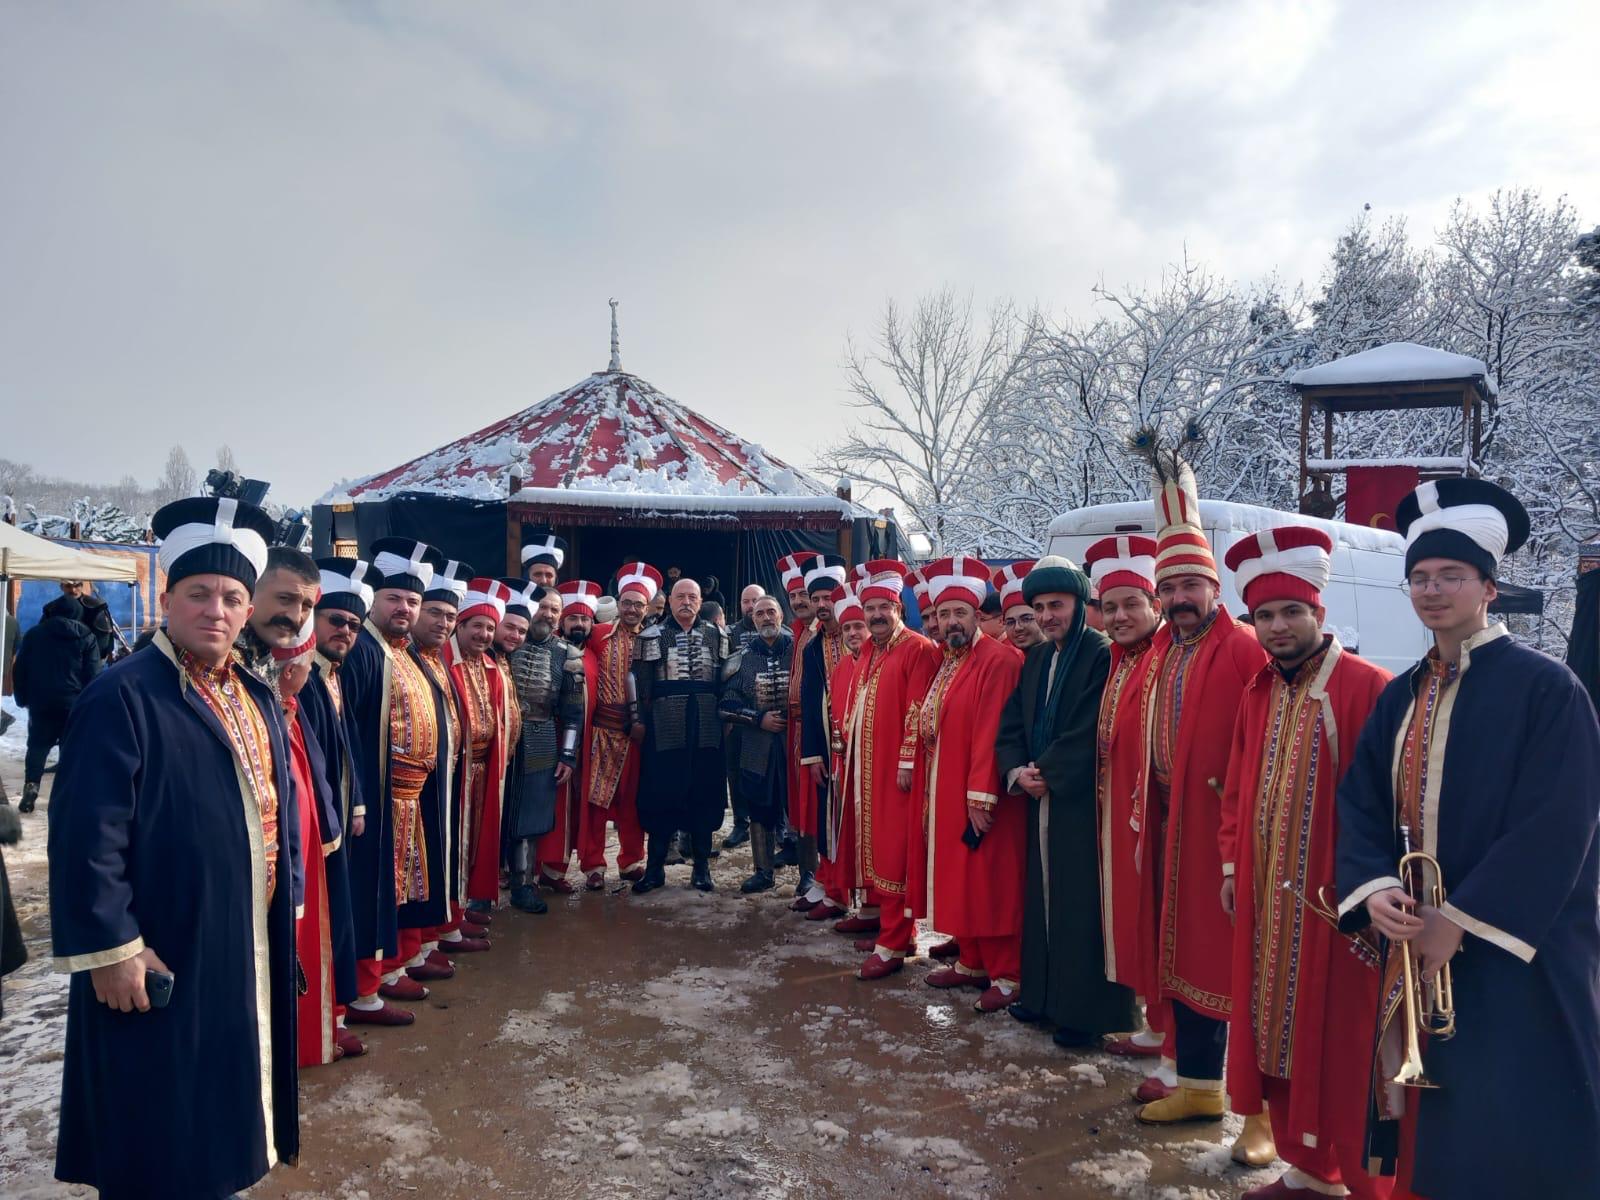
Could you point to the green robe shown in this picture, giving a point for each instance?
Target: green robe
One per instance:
(1063, 948)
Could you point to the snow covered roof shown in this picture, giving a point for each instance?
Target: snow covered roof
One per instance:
(611, 440)
(1398, 362)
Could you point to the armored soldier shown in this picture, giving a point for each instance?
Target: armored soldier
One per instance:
(678, 665)
(547, 673)
(756, 699)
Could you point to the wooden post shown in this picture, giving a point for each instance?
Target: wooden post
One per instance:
(1305, 440)
(513, 542)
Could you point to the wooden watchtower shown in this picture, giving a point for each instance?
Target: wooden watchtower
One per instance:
(1400, 376)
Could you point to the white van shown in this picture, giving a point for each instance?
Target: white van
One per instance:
(1366, 607)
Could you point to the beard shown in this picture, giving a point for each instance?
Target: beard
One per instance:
(768, 632)
(577, 635)
(957, 639)
(539, 629)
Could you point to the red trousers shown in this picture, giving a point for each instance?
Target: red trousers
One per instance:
(897, 932)
(410, 947)
(369, 974)
(624, 814)
(1328, 1163)
(1000, 958)
(553, 850)
(450, 926)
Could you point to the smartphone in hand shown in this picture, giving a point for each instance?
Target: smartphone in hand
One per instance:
(158, 988)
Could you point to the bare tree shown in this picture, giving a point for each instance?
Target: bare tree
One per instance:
(178, 478)
(925, 391)
(225, 459)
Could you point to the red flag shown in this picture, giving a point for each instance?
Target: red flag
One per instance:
(1371, 494)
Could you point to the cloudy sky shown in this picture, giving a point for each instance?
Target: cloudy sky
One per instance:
(337, 235)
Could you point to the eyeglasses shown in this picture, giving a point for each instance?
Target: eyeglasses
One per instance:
(339, 622)
(1445, 585)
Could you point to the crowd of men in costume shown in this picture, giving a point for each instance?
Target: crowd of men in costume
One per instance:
(1130, 818)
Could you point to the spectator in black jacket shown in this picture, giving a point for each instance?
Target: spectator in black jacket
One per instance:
(96, 616)
(56, 660)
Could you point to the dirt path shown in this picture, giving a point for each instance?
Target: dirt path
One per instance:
(670, 1045)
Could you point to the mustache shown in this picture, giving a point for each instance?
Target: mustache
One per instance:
(877, 620)
(1182, 606)
(282, 622)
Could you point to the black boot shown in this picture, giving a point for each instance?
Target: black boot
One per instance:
(700, 878)
(737, 836)
(30, 797)
(788, 853)
(655, 874)
(526, 897)
(761, 852)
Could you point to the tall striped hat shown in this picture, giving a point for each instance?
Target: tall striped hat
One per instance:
(1181, 546)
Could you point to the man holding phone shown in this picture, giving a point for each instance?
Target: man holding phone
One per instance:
(172, 832)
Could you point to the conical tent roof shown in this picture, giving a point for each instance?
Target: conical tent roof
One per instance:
(611, 433)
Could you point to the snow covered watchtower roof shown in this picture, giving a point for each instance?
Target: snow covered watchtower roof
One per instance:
(1396, 363)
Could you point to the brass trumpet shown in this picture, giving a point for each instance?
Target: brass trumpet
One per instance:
(1430, 1008)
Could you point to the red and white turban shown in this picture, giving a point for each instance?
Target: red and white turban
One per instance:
(846, 604)
(917, 581)
(1181, 546)
(640, 578)
(792, 570)
(959, 577)
(1008, 582)
(1290, 562)
(485, 598)
(884, 579)
(580, 593)
(1127, 560)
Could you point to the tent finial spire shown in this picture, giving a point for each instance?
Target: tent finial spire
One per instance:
(616, 349)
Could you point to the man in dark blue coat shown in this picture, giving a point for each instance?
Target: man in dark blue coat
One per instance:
(171, 838)
(1486, 756)
(55, 662)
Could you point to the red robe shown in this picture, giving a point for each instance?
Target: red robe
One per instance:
(968, 893)
(1306, 1002)
(312, 932)
(920, 755)
(609, 773)
(485, 746)
(1130, 889)
(887, 683)
(1196, 937)
(802, 795)
(846, 871)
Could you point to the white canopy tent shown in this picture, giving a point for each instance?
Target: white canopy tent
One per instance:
(26, 556)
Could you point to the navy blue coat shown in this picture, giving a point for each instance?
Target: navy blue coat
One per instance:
(154, 842)
(1517, 1109)
(336, 765)
(364, 679)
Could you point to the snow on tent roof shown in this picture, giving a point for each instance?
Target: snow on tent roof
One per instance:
(1398, 362)
(612, 433)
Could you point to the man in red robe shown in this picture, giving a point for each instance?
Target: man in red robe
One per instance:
(842, 884)
(1200, 662)
(1016, 614)
(481, 690)
(968, 850)
(792, 570)
(313, 934)
(893, 675)
(1123, 569)
(612, 735)
(1306, 996)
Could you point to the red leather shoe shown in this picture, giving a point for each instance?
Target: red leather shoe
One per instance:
(594, 881)
(428, 972)
(352, 1046)
(562, 885)
(857, 924)
(403, 988)
(878, 967)
(949, 977)
(802, 905)
(633, 875)
(481, 919)
(993, 1000)
(1128, 1048)
(866, 945)
(438, 958)
(466, 945)
(826, 911)
(388, 1014)
(949, 949)
(1151, 1090)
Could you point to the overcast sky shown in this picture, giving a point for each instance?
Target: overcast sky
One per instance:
(337, 235)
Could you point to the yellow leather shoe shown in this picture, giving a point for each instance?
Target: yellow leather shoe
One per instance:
(1254, 1146)
(1185, 1104)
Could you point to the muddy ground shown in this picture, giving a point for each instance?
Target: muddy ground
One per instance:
(677, 1044)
